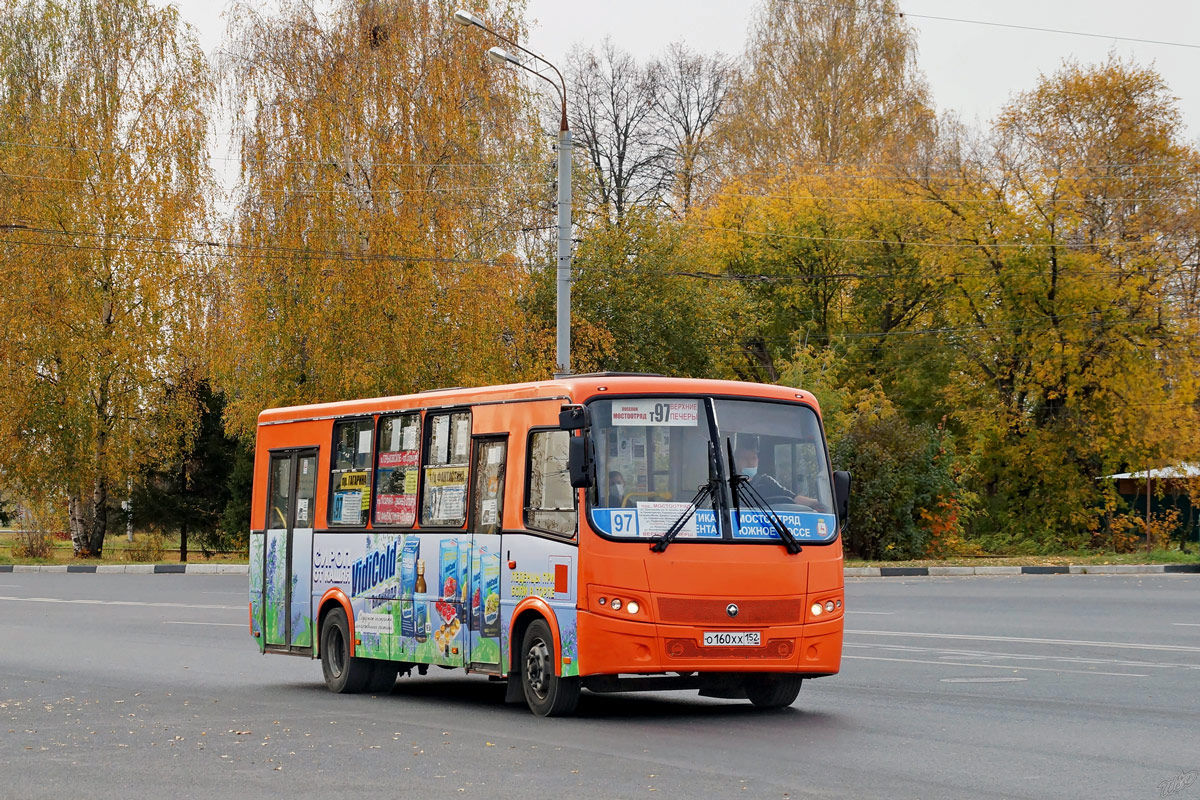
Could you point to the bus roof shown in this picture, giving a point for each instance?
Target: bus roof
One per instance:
(575, 388)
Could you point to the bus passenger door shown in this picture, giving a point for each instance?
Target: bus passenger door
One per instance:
(287, 556)
(482, 608)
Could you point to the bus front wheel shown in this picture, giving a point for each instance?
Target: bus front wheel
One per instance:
(547, 694)
(344, 673)
(773, 691)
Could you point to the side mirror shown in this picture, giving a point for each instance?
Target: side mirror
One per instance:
(841, 494)
(579, 461)
(574, 418)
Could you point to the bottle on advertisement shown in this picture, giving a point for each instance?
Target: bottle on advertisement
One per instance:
(421, 603)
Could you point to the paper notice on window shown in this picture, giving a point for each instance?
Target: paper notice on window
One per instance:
(494, 454)
(487, 514)
(364, 441)
(462, 436)
(441, 439)
(351, 508)
(302, 509)
(655, 519)
(676, 413)
(410, 482)
(394, 443)
(410, 436)
(451, 505)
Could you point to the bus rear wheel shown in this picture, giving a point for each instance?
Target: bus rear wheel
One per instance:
(344, 673)
(773, 691)
(547, 694)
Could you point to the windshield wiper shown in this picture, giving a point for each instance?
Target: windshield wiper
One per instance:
(707, 490)
(756, 500)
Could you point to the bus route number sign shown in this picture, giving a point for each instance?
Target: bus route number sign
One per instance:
(654, 411)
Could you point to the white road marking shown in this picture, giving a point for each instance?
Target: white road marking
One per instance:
(236, 594)
(1031, 640)
(1184, 624)
(999, 666)
(11, 585)
(222, 624)
(982, 680)
(880, 613)
(985, 655)
(117, 603)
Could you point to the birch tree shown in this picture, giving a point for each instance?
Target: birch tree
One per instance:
(388, 171)
(103, 185)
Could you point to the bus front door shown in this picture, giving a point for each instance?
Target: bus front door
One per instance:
(287, 556)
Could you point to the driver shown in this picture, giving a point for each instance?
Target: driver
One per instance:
(746, 461)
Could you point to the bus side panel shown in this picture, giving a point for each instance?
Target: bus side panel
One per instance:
(534, 566)
(302, 602)
(377, 571)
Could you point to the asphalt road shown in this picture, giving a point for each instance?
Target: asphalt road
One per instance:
(148, 686)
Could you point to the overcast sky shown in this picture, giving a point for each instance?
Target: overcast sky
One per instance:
(972, 69)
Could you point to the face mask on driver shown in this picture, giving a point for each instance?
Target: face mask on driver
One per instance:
(749, 472)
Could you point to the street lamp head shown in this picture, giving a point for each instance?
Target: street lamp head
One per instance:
(467, 18)
(502, 56)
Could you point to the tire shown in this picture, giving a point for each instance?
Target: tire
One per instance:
(383, 677)
(344, 673)
(773, 691)
(547, 694)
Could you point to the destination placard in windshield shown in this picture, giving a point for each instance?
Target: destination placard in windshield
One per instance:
(684, 413)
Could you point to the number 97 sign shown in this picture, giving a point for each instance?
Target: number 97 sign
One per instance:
(624, 523)
(674, 413)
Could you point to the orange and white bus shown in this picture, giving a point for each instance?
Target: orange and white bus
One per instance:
(604, 532)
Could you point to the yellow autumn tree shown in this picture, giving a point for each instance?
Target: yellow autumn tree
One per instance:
(1069, 246)
(390, 179)
(827, 83)
(103, 184)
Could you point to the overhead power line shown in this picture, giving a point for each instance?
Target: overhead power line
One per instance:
(990, 24)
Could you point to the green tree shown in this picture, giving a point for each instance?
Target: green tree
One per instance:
(190, 495)
(904, 489)
(643, 307)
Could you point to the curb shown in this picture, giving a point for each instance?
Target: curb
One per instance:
(131, 569)
(1073, 569)
(849, 572)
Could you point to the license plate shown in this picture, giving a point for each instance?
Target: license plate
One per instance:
(732, 639)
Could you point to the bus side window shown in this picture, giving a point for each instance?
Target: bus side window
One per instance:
(447, 462)
(396, 470)
(350, 476)
(281, 487)
(551, 500)
(487, 502)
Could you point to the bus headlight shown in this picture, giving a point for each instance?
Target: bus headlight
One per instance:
(615, 605)
(829, 606)
(816, 609)
(633, 607)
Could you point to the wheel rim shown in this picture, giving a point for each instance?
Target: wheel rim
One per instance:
(537, 668)
(337, 656)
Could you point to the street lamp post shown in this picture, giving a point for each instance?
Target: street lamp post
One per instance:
(563, 294)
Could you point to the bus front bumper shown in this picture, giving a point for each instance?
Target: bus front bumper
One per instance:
(612, 646)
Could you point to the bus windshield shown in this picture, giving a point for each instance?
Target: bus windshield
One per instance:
(652, 459)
